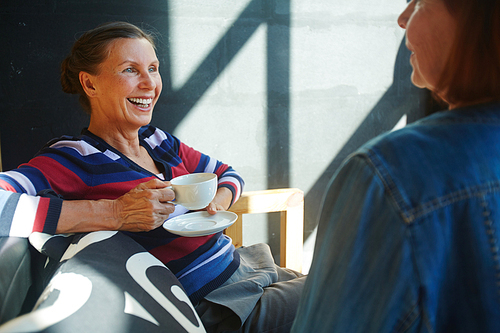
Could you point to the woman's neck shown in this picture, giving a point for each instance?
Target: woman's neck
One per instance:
(127, 143)
(125, 140)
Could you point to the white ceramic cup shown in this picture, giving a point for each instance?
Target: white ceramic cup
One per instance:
(195, 190)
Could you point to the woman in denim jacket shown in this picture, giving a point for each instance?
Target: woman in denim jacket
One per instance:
(408, 238)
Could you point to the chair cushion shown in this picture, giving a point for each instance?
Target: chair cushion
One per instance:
(15, 276)
(106, 282)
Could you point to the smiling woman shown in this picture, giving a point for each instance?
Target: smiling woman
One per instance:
(93, 50)
(123, 94)
(116, 177)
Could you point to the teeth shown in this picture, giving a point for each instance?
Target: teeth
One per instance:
(142, 101)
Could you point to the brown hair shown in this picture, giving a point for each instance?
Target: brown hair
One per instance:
(472, 73)
(90, 50)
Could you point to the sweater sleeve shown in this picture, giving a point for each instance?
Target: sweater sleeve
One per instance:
(196, 161)
(22, 211)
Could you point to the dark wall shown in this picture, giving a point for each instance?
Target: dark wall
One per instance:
(36, 36)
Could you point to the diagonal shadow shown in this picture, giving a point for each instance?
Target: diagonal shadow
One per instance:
(401, 98)
(179, 102)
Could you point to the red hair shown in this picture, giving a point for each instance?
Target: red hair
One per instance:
(472, 73)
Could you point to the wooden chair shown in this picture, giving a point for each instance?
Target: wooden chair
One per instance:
(290, 203)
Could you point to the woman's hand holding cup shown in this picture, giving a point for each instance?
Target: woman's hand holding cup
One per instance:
(145, 207)
(149, 204)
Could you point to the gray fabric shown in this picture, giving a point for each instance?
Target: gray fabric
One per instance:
(259, 297)
(15, 276)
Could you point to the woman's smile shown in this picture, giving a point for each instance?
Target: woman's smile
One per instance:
(127, 86)
(141, 102)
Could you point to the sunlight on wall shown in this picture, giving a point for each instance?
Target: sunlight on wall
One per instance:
(235, 109)
(195, 28)
(342, 62)
(229, 123)
(345, 65)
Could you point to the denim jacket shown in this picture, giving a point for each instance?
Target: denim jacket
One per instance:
(408, 237)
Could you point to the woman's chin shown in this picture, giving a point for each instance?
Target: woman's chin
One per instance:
(142, 120)
(418, 81)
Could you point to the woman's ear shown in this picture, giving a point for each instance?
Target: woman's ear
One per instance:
(87, 82)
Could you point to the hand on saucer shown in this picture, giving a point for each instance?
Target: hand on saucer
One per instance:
(213, 208)
(221, 201)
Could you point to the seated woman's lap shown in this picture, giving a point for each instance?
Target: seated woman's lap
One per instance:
(259, 297)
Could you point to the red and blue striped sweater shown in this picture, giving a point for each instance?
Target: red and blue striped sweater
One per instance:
(86, 167)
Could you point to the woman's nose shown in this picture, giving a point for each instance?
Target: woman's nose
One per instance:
(405, 15)
(148, 82)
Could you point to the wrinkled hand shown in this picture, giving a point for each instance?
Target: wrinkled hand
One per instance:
(145, 207)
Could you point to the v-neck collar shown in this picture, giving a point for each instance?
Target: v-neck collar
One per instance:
(102, 145)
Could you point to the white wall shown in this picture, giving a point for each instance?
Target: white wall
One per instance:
(342, 61)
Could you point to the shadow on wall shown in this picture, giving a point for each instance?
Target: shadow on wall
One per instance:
(402, 98)
(36, 36)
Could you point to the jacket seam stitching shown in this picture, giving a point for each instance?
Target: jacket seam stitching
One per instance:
(409, 215)
(477, 191)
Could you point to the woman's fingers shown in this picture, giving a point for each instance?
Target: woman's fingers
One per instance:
(145, 207)
(213, 208)
(154, 183)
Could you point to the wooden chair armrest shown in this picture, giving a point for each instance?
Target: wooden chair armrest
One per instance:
(290, 203)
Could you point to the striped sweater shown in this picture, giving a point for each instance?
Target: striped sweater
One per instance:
(86, 167)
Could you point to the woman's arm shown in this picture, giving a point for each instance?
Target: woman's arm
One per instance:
(144, 208)
(21, 210)
(141, 209)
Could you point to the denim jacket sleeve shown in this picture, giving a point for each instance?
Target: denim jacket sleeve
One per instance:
(363, 277)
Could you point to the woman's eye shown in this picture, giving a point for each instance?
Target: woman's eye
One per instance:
(153, 69)
(128, 70)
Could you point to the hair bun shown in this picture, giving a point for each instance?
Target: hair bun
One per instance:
(68, 78)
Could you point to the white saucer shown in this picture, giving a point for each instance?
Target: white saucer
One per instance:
(199, 223)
